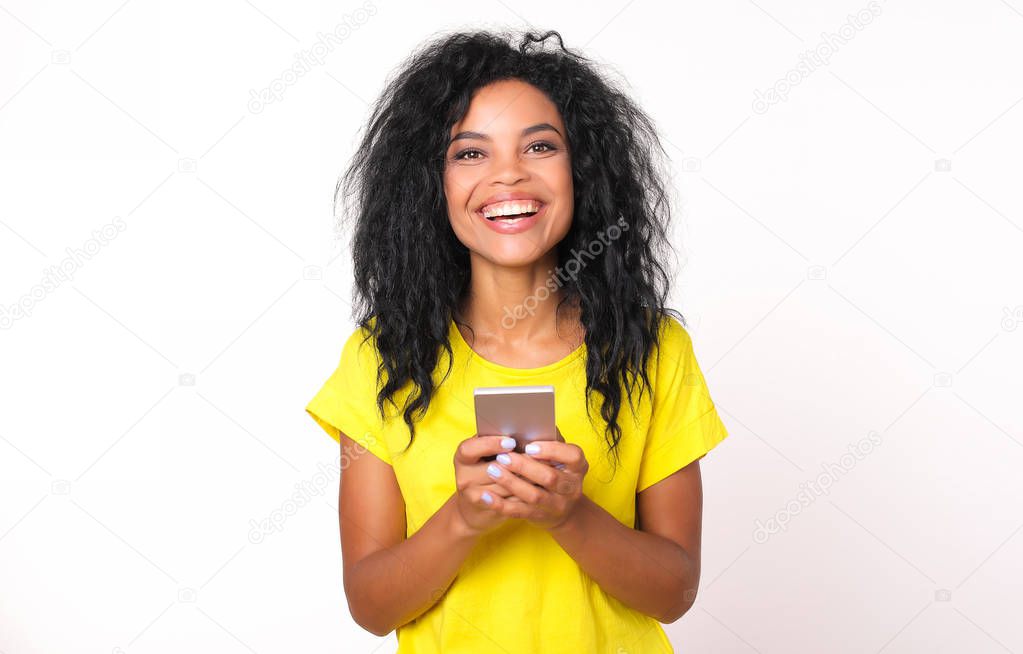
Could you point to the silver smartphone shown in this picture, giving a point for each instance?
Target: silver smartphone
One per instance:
(526, 413)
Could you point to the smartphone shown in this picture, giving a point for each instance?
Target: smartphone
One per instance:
(526, 413)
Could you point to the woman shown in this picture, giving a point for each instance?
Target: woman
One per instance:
(509, 219)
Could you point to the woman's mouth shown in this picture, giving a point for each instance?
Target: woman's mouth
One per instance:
(511, 210)
(512, 216)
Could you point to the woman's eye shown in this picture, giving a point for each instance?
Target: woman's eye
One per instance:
(472, 154)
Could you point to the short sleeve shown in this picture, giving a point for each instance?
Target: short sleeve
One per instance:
(347, 400)
(684, 423)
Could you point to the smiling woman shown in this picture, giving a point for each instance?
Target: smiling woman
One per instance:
(491, 164)
(503, 179)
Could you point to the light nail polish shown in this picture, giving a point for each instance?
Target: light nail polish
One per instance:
(487, 498)
(507, 442)
(493, 470)
(504, 458)
(532, 448)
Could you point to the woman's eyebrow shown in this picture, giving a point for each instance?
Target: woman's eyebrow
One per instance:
(539, 127)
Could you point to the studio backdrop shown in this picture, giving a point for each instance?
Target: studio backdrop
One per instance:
(174, 287)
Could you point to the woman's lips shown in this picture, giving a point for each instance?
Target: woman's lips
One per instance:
(507, 196)
(513, 225)
(510, 207)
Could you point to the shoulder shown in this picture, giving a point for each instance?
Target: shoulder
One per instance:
(671, 330)
(359, 355)
(673, 340)
(360, 338)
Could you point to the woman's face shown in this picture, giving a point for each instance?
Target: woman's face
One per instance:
(508, 175)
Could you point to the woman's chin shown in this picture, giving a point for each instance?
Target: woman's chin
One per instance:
(513, 257)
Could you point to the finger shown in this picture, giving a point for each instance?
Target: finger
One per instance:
(509, 507)
(562, 482)
(483, 498)
(473, 448)
(524, 490)
(514, 507)
(495, 488)
(568, 454)
(475, 476)
(531, 470)
(559, 466)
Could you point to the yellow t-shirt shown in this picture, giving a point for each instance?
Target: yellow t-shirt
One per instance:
(519, 591)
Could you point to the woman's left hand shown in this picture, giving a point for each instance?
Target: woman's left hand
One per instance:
(548, 495)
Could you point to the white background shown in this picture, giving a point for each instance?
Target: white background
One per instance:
(839, 279)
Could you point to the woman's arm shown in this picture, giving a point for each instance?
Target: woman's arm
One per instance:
(390, 580)
(654, 568)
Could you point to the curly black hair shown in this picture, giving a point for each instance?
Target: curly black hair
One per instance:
(409, 282)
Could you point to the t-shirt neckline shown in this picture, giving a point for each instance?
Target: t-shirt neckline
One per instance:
(458, 342)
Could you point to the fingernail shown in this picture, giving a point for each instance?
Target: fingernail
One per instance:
(507, 442)
(504, 458)
(532, 448)
(493, 470)
(487, 498)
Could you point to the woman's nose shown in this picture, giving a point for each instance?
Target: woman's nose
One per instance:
(510, 170)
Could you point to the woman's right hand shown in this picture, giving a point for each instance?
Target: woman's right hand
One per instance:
(473, 484)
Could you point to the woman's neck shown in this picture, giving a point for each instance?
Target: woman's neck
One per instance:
(519, 307)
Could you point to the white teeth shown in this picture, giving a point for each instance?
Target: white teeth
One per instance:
(510, 208)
